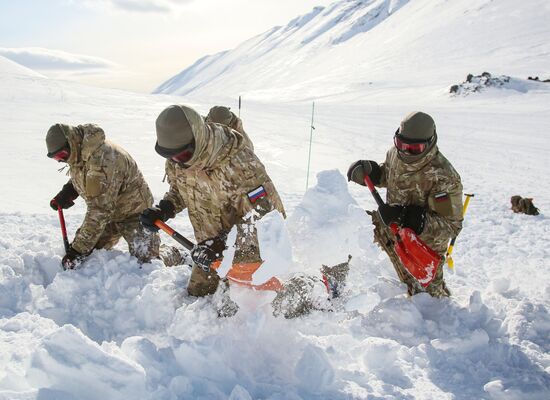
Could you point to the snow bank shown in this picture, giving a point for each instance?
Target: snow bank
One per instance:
(111, 329)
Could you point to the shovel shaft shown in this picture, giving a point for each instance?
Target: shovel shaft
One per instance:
(373, 190)
(175, 235)
(63, 228)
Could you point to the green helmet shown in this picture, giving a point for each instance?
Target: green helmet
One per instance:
(56, 139)
(417, 126)
(415, 137)
(220, 115)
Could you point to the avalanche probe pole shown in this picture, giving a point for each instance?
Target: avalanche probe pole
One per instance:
(175, 235)
(310, 139)
(450, 261)
(239, 106)
(63, 229)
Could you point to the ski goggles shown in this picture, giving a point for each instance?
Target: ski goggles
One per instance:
(408, 146)
(181, 155)
(60, 155)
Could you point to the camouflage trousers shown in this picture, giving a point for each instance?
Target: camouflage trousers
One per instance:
(143, 245)
(247, 250)
(384, 238)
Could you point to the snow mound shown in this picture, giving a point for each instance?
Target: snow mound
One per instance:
(111, 329)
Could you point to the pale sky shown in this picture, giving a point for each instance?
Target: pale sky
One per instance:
(132, 44)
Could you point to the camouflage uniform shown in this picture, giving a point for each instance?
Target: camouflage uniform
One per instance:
(430, 182)
(214, 187)
(233, 122)
(108, 179)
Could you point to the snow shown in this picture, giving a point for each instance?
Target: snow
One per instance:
(111, 329)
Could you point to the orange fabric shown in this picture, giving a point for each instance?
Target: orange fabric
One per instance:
(241, 273)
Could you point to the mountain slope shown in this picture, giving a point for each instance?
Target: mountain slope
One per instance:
(374, 43)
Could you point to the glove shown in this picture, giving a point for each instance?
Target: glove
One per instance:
(358, 170)
(164, 211)
(208, 251)
(414, 217)
(71, 259)
(65, 198)
(406, 216)
(390, 214)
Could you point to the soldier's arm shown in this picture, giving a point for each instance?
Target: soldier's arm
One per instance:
(173, 195)
(444, 216)
(383, 176)
(101, 186)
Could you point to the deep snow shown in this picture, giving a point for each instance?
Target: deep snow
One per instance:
(113, 330)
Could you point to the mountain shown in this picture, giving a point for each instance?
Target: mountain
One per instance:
(8, 67)
(353, 44)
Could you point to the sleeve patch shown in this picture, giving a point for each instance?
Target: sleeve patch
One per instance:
(256, 194)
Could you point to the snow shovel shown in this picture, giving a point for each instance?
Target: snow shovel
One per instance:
(450, 261)
(240, 273)
(419, 260)
(63, 229)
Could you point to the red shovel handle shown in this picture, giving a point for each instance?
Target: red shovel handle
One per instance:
(63, 228)
(373, 190)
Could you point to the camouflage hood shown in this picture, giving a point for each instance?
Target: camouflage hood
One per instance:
(83, 141)
(210, 150)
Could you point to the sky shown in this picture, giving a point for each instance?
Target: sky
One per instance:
(132, 44)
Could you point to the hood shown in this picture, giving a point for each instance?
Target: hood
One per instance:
(83, 141)
(213, 142)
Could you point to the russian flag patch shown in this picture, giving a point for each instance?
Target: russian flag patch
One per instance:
(256, 194)
(441, 197)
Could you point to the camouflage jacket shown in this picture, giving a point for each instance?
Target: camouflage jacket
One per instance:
(432, 183)
(107, 178)
(216, 183)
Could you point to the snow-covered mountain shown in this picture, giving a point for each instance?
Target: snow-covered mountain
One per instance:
(356, 47)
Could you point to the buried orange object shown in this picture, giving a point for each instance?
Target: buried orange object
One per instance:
(240, 273)
(419, 259)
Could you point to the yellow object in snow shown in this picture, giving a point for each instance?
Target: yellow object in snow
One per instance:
(449, 259)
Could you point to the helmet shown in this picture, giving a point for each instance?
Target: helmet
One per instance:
(415, 136)
(220, 115)
(176, 127)
(57, 143)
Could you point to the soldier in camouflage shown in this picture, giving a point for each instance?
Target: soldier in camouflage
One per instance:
(223, 115)
(216, 176)
(109, 181)
(424, 193)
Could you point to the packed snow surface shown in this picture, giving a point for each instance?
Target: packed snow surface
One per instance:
(112, 329)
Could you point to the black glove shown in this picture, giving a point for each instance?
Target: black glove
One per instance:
(208, 251)
(71, 259)
(65, 198)
(358, 170)
(414, 218)
(390, 214)
(406, 216)
(164, 211)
